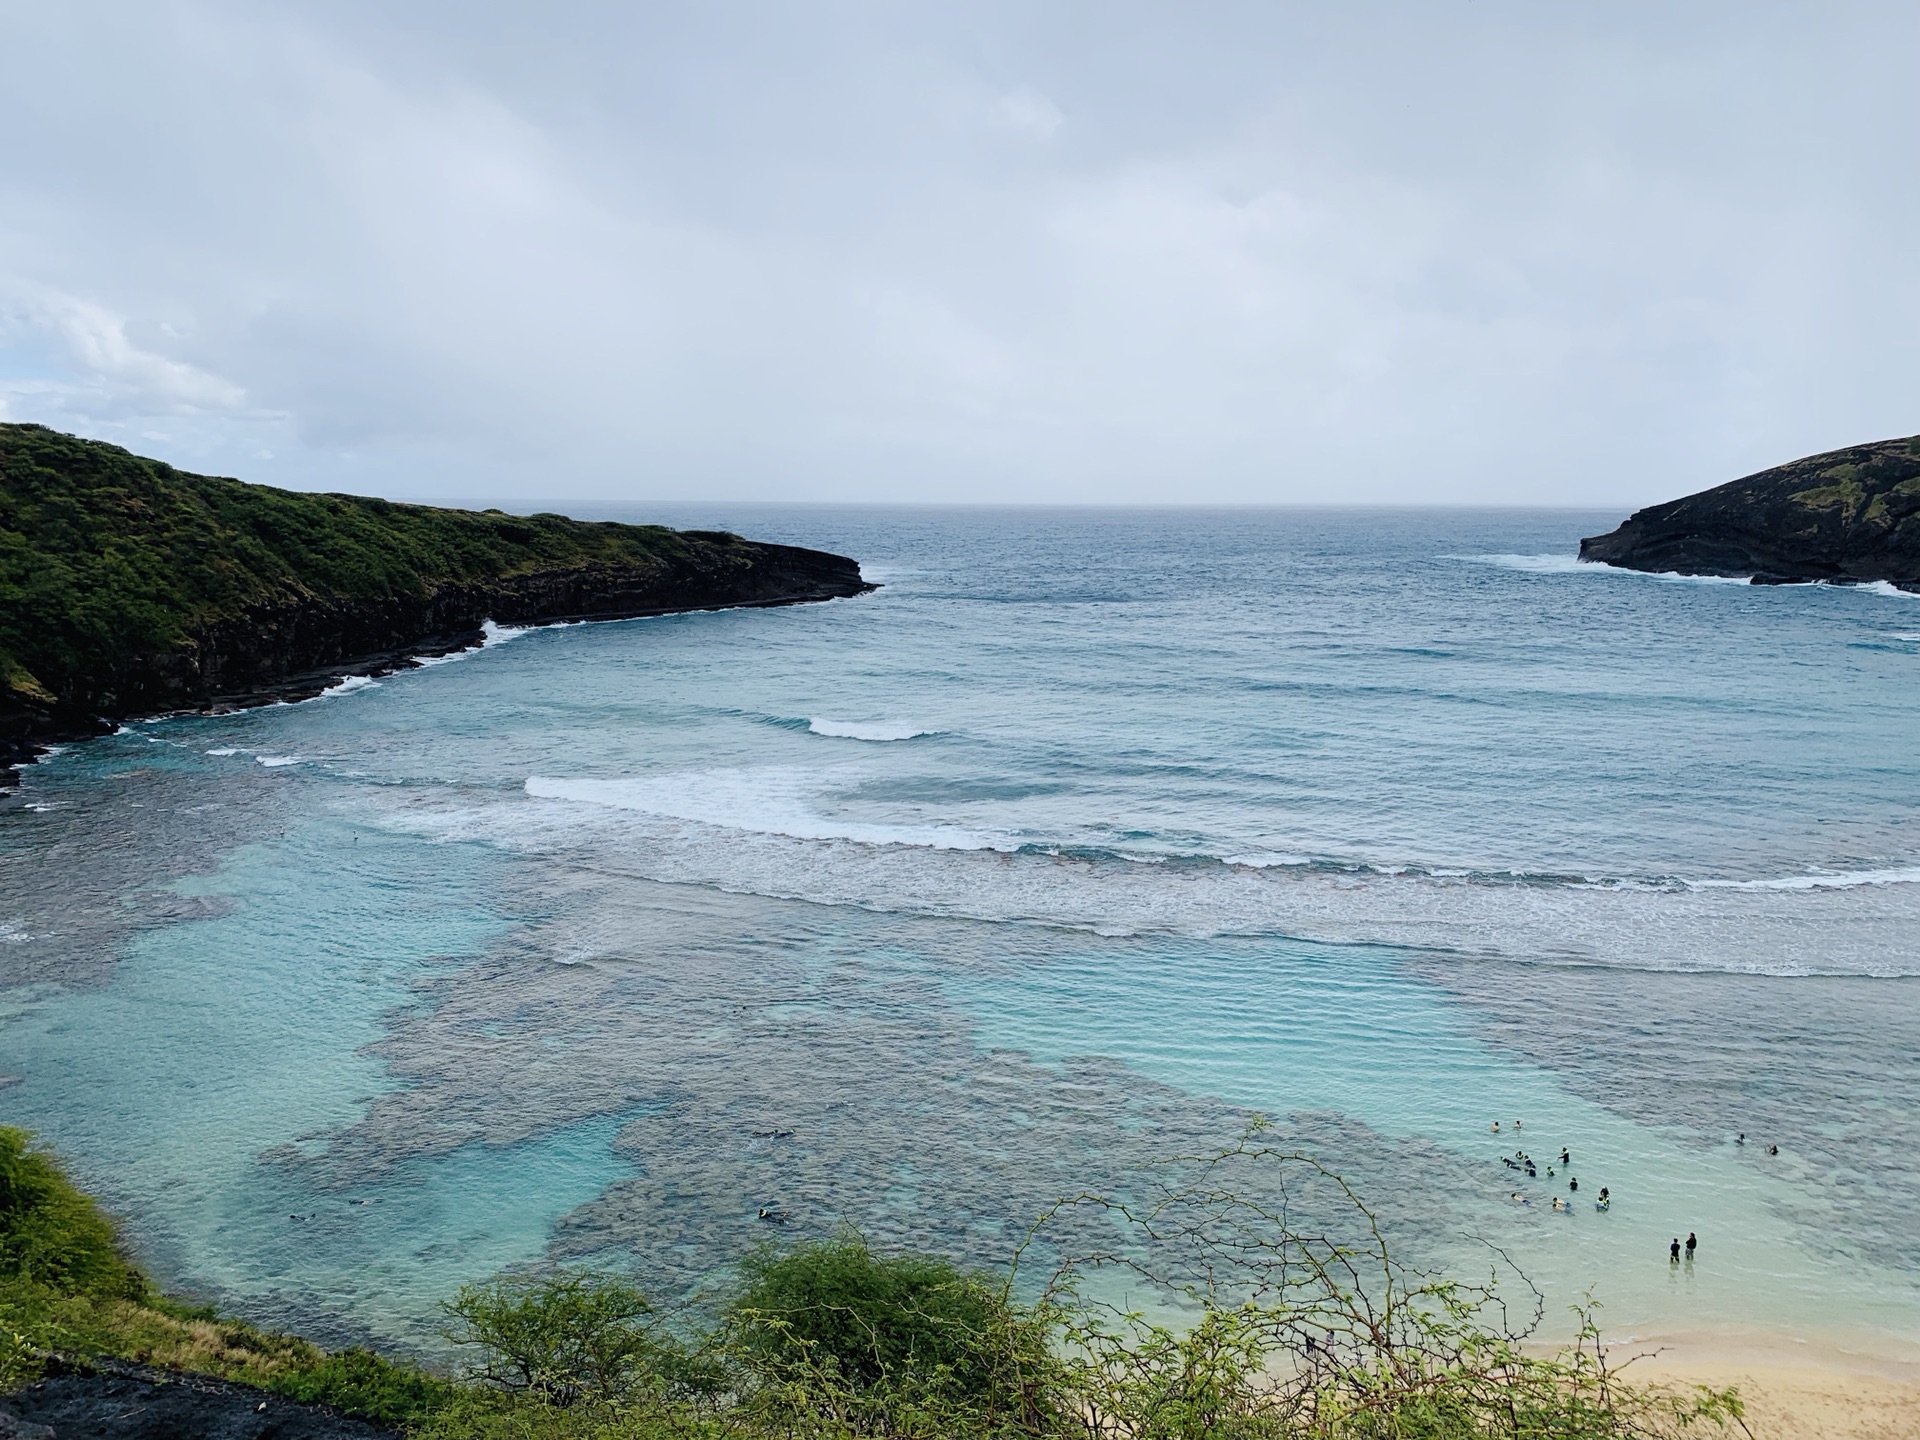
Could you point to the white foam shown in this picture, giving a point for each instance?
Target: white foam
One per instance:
(490, 636)
(1265, 860)
(761, 833)
(349, 686)
(1887, 588)
(273, 762)
(1556, 563)
(760, 802)
(1560, 563)
(1829, 880)
(865, 730)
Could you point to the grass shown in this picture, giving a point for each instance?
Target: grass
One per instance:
(1263, 1332)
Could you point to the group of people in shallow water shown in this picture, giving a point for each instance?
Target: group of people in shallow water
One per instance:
(1522, 1161)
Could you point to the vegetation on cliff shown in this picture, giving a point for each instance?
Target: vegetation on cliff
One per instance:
(1282, 1335)
(1847, 516)
(127, 584)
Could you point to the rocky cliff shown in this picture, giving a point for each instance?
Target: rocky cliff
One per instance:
(130, 588)
(1846, 516)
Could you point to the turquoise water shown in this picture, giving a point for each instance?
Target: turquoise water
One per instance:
(1085, 837)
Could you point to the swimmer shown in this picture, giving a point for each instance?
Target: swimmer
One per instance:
(1773, 1149)
(1549, 1172)
(1573, 1183)
(1516, 1124)
(1496, 1127)
(1673, 1251)
(1741, 1138)
(1692, 1241)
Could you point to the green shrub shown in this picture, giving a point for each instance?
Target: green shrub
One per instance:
(562, 1337)
(51, 1233)
(901, 1343)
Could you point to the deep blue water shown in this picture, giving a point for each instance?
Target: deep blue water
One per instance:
(1087, 833)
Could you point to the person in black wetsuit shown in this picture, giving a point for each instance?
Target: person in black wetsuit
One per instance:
(1573, 1183)
(1692, 1241)
(1673, 1251)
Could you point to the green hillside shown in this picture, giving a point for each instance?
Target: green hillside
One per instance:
(128, 586)
(103, 553)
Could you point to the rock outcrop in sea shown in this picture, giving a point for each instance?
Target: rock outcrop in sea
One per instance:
(130, 588)
(1849, 516)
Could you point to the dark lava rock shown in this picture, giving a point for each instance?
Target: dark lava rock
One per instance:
(134, 1402)
(1847, 516)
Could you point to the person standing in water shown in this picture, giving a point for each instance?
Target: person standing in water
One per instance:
(1673, 1251)
(1692, 1241)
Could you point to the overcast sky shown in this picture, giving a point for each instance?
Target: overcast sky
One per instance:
(1457, 251)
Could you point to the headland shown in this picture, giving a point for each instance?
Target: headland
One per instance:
(131, 588)
(1847, 517)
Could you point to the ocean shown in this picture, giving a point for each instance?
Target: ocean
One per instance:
(1088, 837)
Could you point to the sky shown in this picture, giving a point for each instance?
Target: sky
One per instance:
(1453, 252)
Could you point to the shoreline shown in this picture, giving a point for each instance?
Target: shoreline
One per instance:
(17, 753)
(1792, 1388)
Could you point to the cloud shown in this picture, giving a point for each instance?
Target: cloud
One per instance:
(113, 375)
(1145, 252)
(1027, 112)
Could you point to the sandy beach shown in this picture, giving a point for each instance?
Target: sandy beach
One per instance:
(1795, 1390)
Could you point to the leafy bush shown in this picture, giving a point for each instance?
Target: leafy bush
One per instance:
(561, 1337)
(51, 1232)
(889, 1344)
